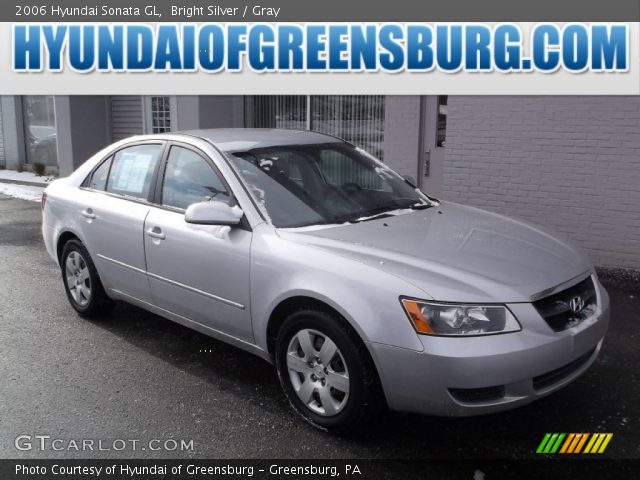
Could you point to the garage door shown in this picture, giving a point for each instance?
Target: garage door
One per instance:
(127, 116)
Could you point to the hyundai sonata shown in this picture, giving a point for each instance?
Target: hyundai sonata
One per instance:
(307, 251)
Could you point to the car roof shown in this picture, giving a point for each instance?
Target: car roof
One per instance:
(241, 139)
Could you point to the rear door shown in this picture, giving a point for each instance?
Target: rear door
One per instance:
(114, 205)
(200, 272)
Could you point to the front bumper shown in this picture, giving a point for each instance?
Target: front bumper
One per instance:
(478, 375)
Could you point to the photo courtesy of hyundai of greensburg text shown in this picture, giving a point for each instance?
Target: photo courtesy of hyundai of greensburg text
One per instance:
(292, 240)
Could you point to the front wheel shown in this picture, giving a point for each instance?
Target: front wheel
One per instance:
(326, 372)
(81, 281)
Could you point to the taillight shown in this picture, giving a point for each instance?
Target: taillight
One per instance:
(44, 200)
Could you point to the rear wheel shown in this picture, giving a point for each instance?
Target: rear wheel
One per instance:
(81, 281)
(326, 372)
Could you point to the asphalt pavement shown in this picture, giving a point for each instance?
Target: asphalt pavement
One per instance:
(136, 376)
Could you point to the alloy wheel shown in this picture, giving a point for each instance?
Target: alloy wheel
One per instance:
(78, 278)
(318, 372)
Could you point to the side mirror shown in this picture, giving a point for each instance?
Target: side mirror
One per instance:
(410, 180)
(213, 213)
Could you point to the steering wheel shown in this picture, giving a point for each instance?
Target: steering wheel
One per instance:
(350, 188)
(333, 196)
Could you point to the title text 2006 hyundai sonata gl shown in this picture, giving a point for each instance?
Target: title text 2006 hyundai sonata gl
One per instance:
(305, 250)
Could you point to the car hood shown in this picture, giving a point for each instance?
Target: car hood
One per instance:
(456, 253)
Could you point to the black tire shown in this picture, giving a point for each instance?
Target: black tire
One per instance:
(96, 303)
(364, 400)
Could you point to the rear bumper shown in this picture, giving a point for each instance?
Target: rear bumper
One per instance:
(478, 375)
(48, 235)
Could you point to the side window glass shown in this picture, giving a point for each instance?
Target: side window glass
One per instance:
(98, 180)
(188, 178)
(132, 170)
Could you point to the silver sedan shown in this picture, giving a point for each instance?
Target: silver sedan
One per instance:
(308, 252)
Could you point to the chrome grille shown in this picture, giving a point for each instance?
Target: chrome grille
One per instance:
(556, 309)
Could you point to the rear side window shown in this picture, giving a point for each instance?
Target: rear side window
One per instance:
(188, 179)
(132, 170)
(98, 179)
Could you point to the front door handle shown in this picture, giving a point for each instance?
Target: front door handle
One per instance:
(156, 232)
(88, 213)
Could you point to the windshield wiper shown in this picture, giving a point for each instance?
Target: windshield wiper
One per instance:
(385, 211)
(328, 221)
(420, 206)
(375, 216)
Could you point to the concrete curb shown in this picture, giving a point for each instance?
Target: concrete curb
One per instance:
(24, 182)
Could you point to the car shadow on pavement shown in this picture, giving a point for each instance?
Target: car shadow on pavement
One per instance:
(600, 400)
(226, 367)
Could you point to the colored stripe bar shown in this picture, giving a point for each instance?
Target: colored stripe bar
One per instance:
(599, 439)
(581, 443)
(607, 439)
(574, 444)
(567, 443)
(543, 443)
(550, 443)
(555, 447)
(591, 442)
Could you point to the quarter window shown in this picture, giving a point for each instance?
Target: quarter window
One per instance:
(133, 169)
(190, 179)
(99, 178)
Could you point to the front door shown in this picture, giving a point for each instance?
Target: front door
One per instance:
(200, 272)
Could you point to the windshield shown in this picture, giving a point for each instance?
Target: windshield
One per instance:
(301, 185)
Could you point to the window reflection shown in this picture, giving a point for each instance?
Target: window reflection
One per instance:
(40, 129)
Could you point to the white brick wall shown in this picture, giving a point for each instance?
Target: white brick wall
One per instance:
(568, 163)
(401, 132)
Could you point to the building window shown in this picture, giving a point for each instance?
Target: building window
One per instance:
(38, 114)
(160, 114)
(441, 134)
(277, 111)
(359, 119)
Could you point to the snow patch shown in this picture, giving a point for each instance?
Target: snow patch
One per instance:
(25, 176)
(24, 192)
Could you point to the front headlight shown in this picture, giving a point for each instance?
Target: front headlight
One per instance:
(430, 318)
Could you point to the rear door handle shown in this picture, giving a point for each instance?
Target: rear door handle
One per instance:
(88, 213)
(156, 232)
